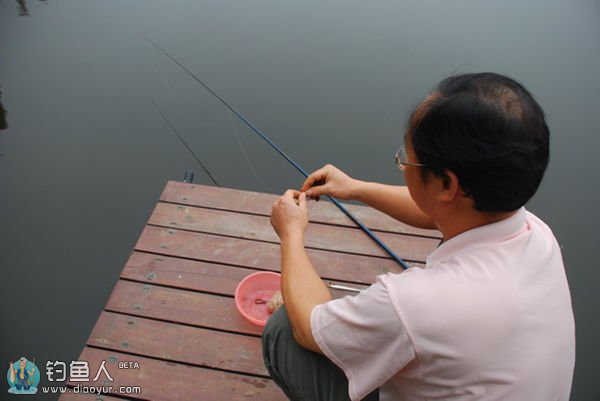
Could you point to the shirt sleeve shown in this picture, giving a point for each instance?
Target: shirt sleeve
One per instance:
(364, 336)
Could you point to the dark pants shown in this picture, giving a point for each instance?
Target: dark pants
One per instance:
(22, 384)
(303, 375)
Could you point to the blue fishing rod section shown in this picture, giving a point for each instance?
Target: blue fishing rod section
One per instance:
(283, 154)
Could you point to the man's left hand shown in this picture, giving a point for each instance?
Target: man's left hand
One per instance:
(289, 216)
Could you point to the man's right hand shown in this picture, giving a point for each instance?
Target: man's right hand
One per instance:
(329, 180)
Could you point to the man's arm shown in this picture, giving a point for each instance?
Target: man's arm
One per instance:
(301, 286)
(302, 290)
(394, 201)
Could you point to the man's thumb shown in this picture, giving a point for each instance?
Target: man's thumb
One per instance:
(302, 199)
(315, 192)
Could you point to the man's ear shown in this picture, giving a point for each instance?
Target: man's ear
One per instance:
(450, 188)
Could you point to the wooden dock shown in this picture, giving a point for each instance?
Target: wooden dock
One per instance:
(172, 311)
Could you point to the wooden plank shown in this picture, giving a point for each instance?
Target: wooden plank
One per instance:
(194, 275)
(168, 381)
(260, 203)
(179, 306)
(237, 252)
(184, 273)
(318, 236)
(195, 346)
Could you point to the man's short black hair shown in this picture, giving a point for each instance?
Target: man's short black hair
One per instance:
(489, 131)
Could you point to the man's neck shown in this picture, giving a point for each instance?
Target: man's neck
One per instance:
(453, 224)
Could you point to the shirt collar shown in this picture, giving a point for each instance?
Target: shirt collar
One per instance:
(479, 236)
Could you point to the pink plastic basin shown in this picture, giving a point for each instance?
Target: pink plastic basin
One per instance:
(256, 286)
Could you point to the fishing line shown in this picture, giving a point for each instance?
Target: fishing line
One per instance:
(248, 161)
(285, 156)
(161, 71)
(185, 144)
(168, 84)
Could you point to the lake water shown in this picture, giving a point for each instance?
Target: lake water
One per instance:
(86, 153)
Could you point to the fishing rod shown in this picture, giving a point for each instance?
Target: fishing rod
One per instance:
(285, 156)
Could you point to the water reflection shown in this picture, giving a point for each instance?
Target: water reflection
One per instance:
(22, 7)
(3, 122)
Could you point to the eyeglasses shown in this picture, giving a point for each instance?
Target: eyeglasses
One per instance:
(400, 157)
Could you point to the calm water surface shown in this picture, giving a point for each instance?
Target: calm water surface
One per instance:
(85, 154)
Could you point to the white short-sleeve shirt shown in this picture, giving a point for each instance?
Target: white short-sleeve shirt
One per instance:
(488, 318)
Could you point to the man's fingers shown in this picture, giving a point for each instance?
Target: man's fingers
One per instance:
(318, 188)
(314, 179)
(291, 193)
(302, 199)
(308, 183)
(316, 191)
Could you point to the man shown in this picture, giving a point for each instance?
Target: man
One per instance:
(21, 377)
(488, 318)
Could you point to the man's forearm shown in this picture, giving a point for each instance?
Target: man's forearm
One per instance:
(394, 201)
(302, 289)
